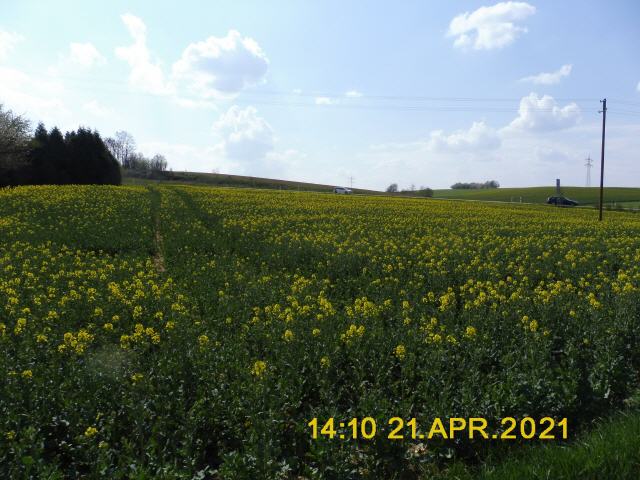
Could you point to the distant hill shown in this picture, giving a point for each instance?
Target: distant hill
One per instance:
(627, 197)
(583, 195)
(130, 177)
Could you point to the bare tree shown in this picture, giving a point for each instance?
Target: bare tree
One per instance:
(14, 140)
(122, 146)
(159, 163)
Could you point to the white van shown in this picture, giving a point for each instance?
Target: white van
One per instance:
(342, 191)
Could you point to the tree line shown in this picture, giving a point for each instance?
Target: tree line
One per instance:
(76, 157)
(123, 147)
(420, 192)
(475, 185)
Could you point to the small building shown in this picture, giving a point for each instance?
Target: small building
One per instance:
(342, 191)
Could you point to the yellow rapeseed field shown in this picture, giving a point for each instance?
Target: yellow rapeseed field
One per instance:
(275, 308)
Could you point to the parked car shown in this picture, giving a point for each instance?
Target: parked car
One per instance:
(561, 201)
(342, 191)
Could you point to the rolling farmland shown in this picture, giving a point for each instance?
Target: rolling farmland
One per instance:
(176, 331)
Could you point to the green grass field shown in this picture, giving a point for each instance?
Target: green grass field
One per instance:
(618, 196)
(221, 180)
(585, 196)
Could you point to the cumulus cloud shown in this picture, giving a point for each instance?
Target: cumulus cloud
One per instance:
(479, 136)
(549, 78)
(218, 67)
(97, 109)
(8, 41)
(245, 135)
(326, 101)
(37, 97)
(353, 94)
(490, 27)
(543, 113)
(145, 74)
(85, 54)
(192, 158)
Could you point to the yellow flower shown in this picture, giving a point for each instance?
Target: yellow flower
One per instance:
(325, 362)
(136, 377)
(259, 368)
(352, 332)
(203, 340)
(27, 374)
(316, 332)
(20, 324)
(90, 432)
(470, 332)
(10, 435)
(288, 335)
(400, 352)
(108, 326)
(533, 326)
(41, 338)
(169, 325)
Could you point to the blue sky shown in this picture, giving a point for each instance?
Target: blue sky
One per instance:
(412, 92)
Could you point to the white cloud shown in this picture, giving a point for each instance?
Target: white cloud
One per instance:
(37, 97)
(182, 157)
(96, 109)
(203, 104)
(542, 114)
(145, 74)
(478, 137)
(490, 27)
(326, 101)
(245, 135)
(85, 55)
(549, 78)
(8, 41)
(219, 67)
(353, 94)
(283, 164)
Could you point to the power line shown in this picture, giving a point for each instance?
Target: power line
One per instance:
(589, 164)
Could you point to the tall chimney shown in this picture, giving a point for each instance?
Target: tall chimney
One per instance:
(557, 186)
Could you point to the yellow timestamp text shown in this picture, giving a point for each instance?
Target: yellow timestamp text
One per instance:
(397, 428)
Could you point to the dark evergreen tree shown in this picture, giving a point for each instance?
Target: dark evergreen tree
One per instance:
(57, 157)
(80, 157)
(41, 170)
(89, 159)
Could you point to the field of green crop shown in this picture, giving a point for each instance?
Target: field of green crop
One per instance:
(585, 196)
(193, 332)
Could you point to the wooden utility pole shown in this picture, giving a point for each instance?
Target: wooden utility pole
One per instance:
(604, 120)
